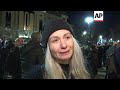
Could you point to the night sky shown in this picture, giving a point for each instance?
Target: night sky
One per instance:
(111, 20)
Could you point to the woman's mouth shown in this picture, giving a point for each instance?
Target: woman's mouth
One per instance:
(65, 52)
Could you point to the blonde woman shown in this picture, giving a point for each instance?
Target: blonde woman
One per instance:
(64, 58)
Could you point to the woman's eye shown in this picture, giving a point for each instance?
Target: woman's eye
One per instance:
(55, 40)
(68, 37)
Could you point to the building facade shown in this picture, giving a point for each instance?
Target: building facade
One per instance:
(14, 24)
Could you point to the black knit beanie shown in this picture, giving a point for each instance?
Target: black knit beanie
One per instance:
(52, 26)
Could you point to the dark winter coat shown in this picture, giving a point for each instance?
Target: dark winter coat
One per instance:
(112, 63)
(32, 53)
(13, 63)
(32, 56)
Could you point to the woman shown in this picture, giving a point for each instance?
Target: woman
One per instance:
(64, 58)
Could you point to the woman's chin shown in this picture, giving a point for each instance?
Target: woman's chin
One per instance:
(64, 60)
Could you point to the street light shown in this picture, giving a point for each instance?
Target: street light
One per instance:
(89, 20)
(101, 40)
(100, 36)
(84, 33)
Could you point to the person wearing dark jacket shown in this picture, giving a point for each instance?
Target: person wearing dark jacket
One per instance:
(4, 53)
(93, 60)
(13, 63)
(32, 53)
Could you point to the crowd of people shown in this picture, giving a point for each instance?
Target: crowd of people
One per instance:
(55, 54)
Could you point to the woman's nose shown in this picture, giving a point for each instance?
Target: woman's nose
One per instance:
(63, 44)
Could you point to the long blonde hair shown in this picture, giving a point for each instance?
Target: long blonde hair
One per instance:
(77, 65)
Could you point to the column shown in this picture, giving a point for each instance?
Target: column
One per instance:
(21, 20)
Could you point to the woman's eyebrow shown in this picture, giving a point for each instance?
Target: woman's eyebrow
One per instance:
(67, 34)
(54, 37)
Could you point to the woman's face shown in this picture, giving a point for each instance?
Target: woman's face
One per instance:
(61, 45)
